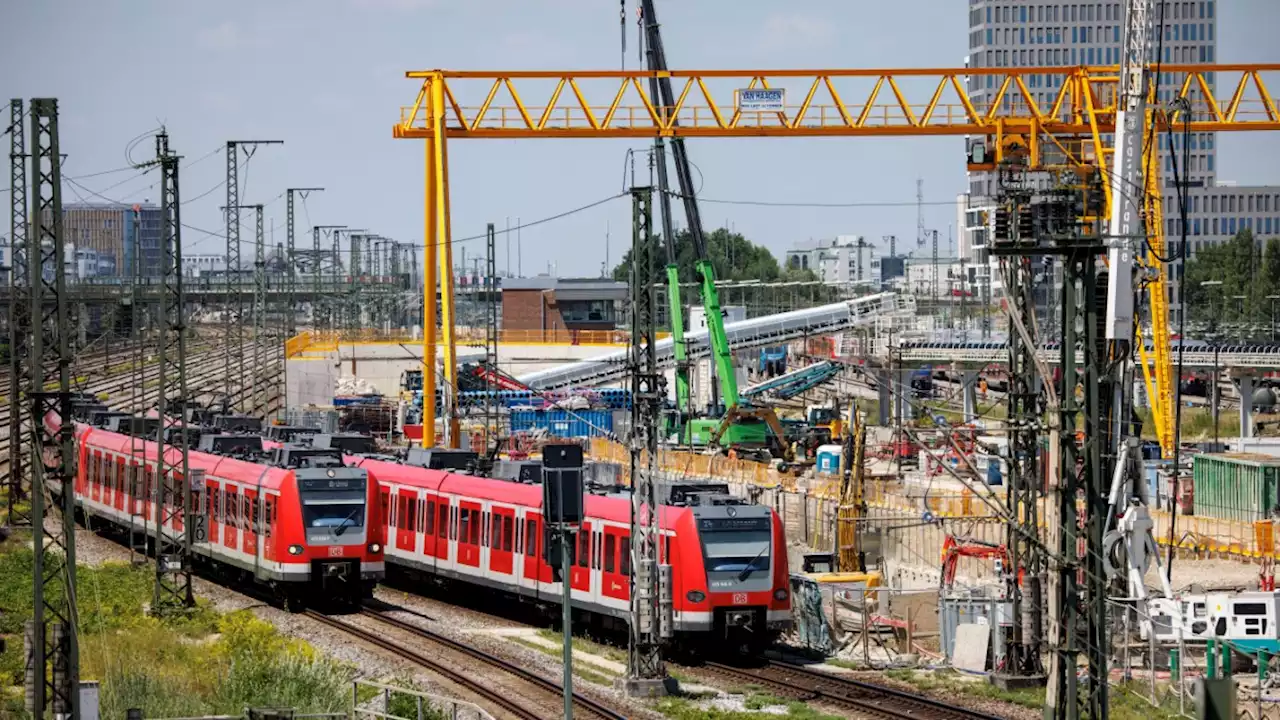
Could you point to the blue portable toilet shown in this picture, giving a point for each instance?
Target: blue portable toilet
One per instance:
(828, 459)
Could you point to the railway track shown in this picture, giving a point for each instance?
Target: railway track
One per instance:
(865, 699)
(441, 656)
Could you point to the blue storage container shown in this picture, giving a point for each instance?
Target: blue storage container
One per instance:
(564, 423)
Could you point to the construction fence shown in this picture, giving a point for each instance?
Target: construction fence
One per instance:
(1192, 535)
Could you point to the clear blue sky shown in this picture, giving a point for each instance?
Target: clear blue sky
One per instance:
(326, 76)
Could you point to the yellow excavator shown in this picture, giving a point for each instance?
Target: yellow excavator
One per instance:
(848, 563)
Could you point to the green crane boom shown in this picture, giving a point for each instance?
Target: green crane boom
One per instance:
(660, 88)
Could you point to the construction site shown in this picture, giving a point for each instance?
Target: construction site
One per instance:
(341, 475)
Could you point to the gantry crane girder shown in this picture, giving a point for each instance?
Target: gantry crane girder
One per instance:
(1062, 123)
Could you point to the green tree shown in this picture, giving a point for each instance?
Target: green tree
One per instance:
(1271, 266)
(1237, 265)
(732, 255)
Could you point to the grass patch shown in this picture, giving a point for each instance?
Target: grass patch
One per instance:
(197, 663)
(408, 705)
(581, 668)
(1128, 700)
(587, 645)
(682, 709)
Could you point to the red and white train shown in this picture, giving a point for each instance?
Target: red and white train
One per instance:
(729, 576)
(305, 532)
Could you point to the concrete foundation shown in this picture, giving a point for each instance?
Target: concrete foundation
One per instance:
(648, 688)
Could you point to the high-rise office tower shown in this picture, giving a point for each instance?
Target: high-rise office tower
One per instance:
(1025, 34)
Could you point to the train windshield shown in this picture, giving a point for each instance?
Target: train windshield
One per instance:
(333, 503)
(736, 544)
(333, 513)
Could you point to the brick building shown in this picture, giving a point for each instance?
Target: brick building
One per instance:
(550, 304)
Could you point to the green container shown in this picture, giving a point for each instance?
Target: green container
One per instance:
(1236, 486)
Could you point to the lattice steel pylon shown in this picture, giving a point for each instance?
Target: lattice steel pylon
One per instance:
(19, 317)
(233, 318)
(645, 669)
(1023, 642)
(53, 668)
(291, 256)
(173, 483)
(490, 332)
(319, 307)
(259, 385)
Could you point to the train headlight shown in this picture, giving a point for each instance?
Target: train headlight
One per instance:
(375, 548)
(780, 594)
(696, 596)
(295, 549)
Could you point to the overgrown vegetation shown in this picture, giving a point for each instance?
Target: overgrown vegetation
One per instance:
(201, 663)
(685, 709)
(1128, 700)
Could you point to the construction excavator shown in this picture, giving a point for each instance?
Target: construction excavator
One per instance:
(848, 564)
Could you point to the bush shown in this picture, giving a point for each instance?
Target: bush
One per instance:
(195, 663)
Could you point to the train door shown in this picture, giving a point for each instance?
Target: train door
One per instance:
(249, 511)
(231, 516)
(405, 500)
(270, 503)
(443, 514)
(580, 573)
(121, 479)
(108, 480)
(613, 584)
(92, 477)
(502, 522)
(212, 499)
(536, 569)
(469, 526)
(430, 514)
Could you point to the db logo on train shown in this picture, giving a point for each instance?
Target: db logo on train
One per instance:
(739, 598)
(335, 551)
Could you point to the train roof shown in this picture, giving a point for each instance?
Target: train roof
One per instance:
(615, 507)
(239, 471)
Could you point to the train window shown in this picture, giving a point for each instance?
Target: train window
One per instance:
(624, 555)
(232, 509)
(495, 531)
(386, 506)
(442, 524)
(271, 506)
(476, 524)
(666, 549)
(429, 520)
(530, 537)
(485, 530)
(609, 550)
(584, 548)
(507, 527)
(1250, 608)
(413, 514)
(465, 524)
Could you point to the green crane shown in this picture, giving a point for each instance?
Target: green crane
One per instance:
(740, 425)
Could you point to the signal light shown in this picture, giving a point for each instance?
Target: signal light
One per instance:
(695, 596)
(295, 549)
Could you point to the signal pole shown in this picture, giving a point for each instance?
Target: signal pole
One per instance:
(291, 257)
(235, 300)
(19, 315)
(53, 665)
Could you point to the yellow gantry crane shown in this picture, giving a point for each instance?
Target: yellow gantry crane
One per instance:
(1063, 123)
